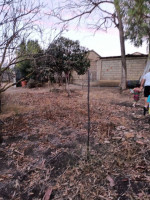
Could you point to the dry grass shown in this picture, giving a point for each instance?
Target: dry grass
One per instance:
(46, 132)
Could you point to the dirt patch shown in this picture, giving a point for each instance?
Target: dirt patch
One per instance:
(60, 162)
(45, 146)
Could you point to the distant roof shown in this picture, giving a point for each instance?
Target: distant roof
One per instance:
(95, 53)
(137, 53)
(127, 55)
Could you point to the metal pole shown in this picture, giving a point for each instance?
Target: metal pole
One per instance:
(0, 92)
(88, 104)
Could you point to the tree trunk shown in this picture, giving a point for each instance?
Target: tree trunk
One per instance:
(122, 46)
(67, 84)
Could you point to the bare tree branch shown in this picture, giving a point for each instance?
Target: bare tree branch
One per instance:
(7, 85)
(100, 16)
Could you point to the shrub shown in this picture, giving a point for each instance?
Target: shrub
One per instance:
(31, 83)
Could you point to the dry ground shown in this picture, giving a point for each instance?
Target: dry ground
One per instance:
(43, 153)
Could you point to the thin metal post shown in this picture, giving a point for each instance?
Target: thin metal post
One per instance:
(88, 104)
(0, 92)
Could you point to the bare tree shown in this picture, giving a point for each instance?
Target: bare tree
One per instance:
(18, 21)
(98, 15)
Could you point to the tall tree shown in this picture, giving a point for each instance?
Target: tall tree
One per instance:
(122, 43)
(104, 14)
(26, 53)
(137, 21)
(137, 24)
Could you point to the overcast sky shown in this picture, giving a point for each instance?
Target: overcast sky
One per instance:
(104, 43)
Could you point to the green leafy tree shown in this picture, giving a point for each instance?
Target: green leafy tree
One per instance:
(64, 56)
(137, 21)
(137, 24)
(26, 53)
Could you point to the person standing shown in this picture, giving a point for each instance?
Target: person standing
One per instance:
(145, 82)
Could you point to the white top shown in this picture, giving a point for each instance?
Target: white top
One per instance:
(147, 79)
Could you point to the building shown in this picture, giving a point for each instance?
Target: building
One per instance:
(106, 71)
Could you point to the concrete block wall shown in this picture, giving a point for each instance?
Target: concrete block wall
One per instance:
(135, 68)
(79, 79)
(109, 69)
(93, 71)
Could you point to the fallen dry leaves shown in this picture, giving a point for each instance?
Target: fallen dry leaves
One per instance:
(43, 155)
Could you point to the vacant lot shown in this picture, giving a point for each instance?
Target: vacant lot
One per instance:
(43, 153)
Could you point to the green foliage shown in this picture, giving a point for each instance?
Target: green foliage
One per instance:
(137, 20)
(64, 56)
(26, 54)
